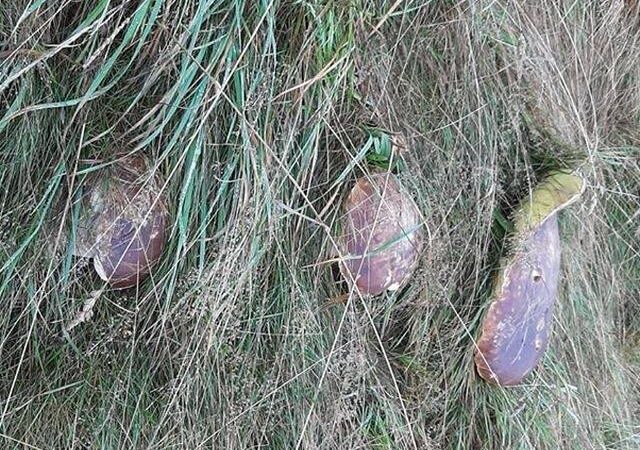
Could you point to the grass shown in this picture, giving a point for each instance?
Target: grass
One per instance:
(256, 115)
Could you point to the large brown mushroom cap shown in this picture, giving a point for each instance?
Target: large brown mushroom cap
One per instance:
(123, 224)
(516, 328)
(382, 235)
(515, 331)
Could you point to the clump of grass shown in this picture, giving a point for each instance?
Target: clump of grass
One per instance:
(255, 114)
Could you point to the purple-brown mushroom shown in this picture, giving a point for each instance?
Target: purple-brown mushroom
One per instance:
(516, 328)
(123, 222)
(515, 331)
(382, 235)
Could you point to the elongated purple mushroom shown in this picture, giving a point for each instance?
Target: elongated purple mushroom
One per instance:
(382, 235)
(516, 328)
(123, 222)
(515, 331)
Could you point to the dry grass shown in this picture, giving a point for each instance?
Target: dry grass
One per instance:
(256, 114)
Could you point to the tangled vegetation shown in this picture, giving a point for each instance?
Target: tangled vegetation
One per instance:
(259, 116)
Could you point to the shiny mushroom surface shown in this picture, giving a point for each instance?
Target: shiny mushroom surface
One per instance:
(382, 235)
(515, 331)
(123, 223)
(516, 327)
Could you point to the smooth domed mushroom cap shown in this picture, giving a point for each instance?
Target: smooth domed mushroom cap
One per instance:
(515, 331)
(132, 251)
(382, 235)
(124, 223)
